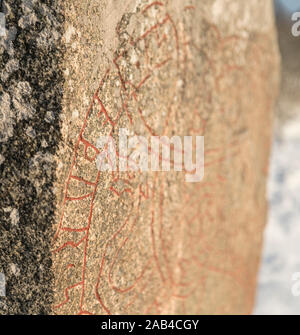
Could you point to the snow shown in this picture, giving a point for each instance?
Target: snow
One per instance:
(281, 254)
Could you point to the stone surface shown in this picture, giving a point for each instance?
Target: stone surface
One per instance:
(30, 88)
(124, 242)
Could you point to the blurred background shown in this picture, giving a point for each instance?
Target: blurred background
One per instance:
(281, 254)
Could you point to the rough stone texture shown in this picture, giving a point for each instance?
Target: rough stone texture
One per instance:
(128, 243)
(151, 243)
(30, 89)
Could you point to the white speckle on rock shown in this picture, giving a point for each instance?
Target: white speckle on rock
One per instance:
(133, 58)
(14, 217)
(40, 158)
(23, 109)
(44, 144)
(41, 162)
(179, 83)
(49, 117)
(60, 165)
(14, 269)
(47, 38)
(7, 121)
(30, 132)
(2, 159)
(27, 5)
(217, 9)
(27, 20)
(23, 88)
(75, 114)
(11, 66)
(69, 32)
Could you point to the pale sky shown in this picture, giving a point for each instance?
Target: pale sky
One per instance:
(291, 5)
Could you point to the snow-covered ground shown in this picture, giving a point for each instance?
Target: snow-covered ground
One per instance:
(281, 254)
